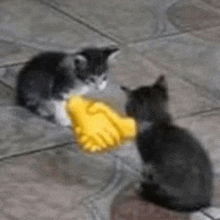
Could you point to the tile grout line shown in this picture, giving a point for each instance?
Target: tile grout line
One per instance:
(177, 34)
(13, 64)
(78, 20)
(6, 85)
(198, 113)
(208, 215)
(208, 6)
(169, 35)
(197, 85)
(63, 145)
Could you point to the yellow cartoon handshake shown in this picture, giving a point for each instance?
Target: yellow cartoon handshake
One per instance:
(96, 126)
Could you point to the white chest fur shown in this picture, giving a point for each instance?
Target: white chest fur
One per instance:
(59, 105)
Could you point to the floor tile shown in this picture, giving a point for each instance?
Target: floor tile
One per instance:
(214, 212)
(216, 198)
(154, 18)
(193, 56)
(186, 99)
(131, 68)
(188, 15)
(119, 20)
(12, 53)
(50, 185)
(213, 3)
(128, 206)
(6, 94)
(199, 216)
(34, 24)
(8, 75)
(206, 128)
(21, 131)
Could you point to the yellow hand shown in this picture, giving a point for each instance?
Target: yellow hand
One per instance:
(125, 127)
(93, 131)
(96, 126)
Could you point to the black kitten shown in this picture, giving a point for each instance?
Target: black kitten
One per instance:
(177, 171)
(49, 78)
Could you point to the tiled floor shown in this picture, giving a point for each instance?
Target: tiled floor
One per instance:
(43, 175)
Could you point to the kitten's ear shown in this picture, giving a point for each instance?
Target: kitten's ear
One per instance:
(109, 51)
(126, 90)
(80, 62)
(161, 82)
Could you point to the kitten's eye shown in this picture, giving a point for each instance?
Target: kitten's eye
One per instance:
(105, 77)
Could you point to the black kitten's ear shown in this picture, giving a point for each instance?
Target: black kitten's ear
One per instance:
(80, 62)
(161, 82)
(109, 51)
(126, 89)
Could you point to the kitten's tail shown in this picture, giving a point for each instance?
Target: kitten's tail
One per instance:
(152, 193)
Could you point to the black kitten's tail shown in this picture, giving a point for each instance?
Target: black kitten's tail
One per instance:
(152, 193)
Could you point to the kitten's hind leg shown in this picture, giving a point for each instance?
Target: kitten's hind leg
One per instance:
(45, 110)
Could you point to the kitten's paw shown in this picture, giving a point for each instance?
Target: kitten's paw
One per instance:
(60, 115)
(102, 86)
(44, 112)
(64, 122)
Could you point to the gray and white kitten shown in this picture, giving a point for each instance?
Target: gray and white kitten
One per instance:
(48, 79)
(177, 172)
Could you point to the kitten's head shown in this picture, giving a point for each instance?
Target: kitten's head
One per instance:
(91, 65)
(148, 103)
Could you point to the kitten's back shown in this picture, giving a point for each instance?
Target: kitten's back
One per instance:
(182, 176)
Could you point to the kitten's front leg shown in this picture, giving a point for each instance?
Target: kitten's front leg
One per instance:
(59, 105)
(60, 113)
